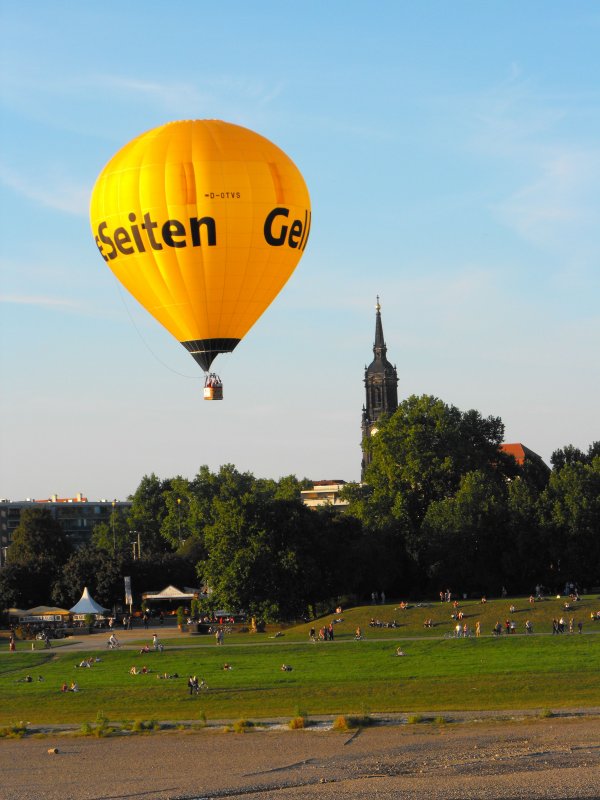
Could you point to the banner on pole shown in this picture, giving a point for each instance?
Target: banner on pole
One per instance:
(128, 597)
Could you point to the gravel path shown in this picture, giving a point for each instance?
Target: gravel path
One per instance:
(497, 759)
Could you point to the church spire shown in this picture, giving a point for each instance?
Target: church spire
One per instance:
(379, 348)
(381, 385)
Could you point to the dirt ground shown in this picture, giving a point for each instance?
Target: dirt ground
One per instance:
(491, 758)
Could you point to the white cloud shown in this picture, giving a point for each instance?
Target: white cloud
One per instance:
(40, 301)
(180, 98)
(53, 190)
(547, 146)
(558, 209)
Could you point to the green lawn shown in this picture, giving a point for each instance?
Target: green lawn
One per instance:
(344, 676)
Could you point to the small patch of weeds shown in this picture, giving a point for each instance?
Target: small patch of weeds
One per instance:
(142, 725)
(415, 719)
(16, 730)
(546, 713)
(242, 725)
(341, 724)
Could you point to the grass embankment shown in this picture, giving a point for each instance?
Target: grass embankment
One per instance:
(339, 677)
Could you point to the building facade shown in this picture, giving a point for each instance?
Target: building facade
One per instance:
(77, 516)
(324, 493)
(381, 388)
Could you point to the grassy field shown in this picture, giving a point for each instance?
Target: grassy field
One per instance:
(344, 676)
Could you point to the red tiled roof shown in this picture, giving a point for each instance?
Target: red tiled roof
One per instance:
(516, 450)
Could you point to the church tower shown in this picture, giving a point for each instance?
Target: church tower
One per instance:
(381, 384)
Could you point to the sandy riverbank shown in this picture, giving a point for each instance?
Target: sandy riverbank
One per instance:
(530, 758)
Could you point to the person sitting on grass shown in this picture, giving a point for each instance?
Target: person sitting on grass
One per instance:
(286, 668)
(227, 666)
(73, 687)
(399, 651)
(145, 649)
(134, 670)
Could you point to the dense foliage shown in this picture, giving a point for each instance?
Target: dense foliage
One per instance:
(442, 506)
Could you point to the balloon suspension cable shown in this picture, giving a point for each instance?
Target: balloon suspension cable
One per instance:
(145, 343)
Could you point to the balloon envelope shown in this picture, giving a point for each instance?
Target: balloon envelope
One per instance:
(203, 222)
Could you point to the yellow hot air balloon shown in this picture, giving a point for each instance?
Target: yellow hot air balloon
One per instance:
(203, 222)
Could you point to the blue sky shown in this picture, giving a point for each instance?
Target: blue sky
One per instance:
(452, 153)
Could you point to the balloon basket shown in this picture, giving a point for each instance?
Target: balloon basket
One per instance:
(213, 387)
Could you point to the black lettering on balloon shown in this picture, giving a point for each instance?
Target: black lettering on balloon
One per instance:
(171, 228)
(270, 238)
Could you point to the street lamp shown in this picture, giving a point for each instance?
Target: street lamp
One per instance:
(136, 543)
(114, 503)
(179, 517)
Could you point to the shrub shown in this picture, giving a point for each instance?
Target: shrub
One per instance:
(141, 725)
(242, 725)
(297, 723)
(340, 724)
(415, 719)
(16, 730)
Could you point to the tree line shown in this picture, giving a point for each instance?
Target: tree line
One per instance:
(442, 506)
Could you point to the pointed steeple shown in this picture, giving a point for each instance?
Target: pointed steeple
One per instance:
(379, 348)
(381, 385)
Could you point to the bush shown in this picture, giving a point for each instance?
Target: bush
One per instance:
(16, 730)
(341, 724)
(242, 725)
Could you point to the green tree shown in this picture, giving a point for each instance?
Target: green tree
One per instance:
(23, 586)
(179, 524)
(568, 455)
(525, 561)
(39, 548)
(422, 451)
(419, 456)
(113, 536)
(148, 509)
(99, 570)
(38, 535)
(570, 513)
(289, 487)
(463, 537)
(261, 555)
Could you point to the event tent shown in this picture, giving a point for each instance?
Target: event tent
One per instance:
(173, 593)
(87, 605)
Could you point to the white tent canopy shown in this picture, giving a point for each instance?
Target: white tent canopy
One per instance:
(87, 605)
(173, 593)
